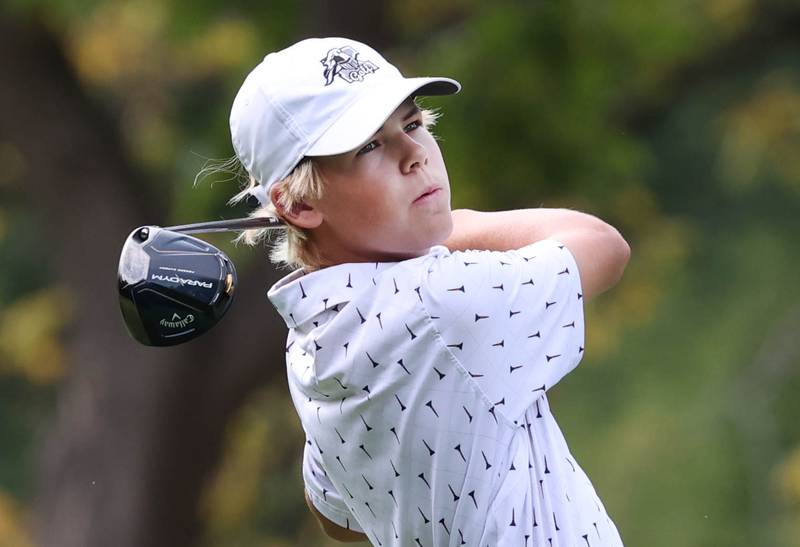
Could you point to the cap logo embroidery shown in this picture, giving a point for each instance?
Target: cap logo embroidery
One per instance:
(344, 62)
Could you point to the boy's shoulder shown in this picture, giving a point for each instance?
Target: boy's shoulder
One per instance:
(300, 296)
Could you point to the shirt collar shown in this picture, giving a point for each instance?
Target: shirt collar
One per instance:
(301, 295)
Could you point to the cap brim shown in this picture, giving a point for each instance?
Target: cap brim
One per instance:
(373, 107)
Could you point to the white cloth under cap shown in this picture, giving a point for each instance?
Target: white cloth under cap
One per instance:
(318, 97)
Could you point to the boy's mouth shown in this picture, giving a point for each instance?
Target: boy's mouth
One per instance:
(430, 191)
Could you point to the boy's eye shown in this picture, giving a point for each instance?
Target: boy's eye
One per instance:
(367, 148)
(372, 145)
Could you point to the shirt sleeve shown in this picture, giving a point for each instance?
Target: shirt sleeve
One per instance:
(514, 320)
(323, 493)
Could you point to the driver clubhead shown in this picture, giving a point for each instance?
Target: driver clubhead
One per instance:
(172, 287)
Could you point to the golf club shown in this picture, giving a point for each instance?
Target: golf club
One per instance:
(174, 287)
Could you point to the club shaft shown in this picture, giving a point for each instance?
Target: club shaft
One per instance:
(227, 225)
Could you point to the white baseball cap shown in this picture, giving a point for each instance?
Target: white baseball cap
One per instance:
(318, 97)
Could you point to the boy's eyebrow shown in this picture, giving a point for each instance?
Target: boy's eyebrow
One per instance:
(413, 111)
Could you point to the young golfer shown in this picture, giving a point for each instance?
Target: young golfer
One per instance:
(422, 342)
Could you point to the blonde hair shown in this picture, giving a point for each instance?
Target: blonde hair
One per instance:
(290, 247)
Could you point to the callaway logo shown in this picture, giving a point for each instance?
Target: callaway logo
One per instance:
(343, 62)
(176, 322)
(182, 281)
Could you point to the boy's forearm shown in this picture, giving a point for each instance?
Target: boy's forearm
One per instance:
(505, 230)
(599, 250)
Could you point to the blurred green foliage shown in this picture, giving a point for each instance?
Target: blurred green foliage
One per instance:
(677, 121)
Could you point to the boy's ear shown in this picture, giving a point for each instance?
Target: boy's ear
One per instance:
(301, 215)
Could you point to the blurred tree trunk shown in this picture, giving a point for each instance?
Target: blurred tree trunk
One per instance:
(137, 430)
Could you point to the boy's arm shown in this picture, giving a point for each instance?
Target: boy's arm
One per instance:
(599, 250)
(333, 530)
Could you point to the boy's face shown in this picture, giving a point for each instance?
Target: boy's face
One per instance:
(387, 200)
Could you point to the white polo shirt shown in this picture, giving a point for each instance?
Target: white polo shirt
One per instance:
(421, 386)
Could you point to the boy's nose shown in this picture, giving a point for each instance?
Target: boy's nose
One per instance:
(415, 155)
